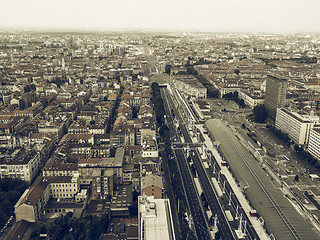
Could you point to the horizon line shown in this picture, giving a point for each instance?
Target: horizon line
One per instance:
(149, 30)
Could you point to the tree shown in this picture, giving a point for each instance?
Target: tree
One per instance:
(135, 111)
(135, 195)
(22, 104)
(26, 88)
(44, 102)
(192, 71)
(168, 69)
(212, 91)
(133, 209)
(217, 235)
(241, 103)
(296, 178)
(260, 113)
(235, 95)
(237, 71)
(87, 227)
(163, 130)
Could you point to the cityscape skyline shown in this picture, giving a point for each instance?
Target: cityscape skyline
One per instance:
(148, 135)
(208, 16)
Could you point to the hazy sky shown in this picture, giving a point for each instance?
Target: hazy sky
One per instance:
(202, 15)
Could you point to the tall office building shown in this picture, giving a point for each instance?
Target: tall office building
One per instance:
(276, 92)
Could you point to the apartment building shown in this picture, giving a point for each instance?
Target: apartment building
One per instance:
(190, 86)
(152, 185)
(19, 164)
(32, 203)
(314, 139)
(149, 143)
(298, 127)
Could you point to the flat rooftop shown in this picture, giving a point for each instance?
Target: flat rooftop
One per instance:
(155, 216)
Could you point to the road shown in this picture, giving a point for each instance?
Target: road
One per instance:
(212, 200)
(196, 212)
(170, 194)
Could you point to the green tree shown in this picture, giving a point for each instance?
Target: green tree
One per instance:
(10, 191)
(133, 209)
(163, 129)
(260, 113)
(135, 195)
(135, 111)
(168, 69)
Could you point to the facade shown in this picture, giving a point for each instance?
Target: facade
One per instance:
(151, 185)
(296, 126)
(276, 92)
(227, 89)
(191, 86)
(154, 218)
(149, 143)
(250, 99)
(20, 165)
(314, 139)
(31, 204)
(64, 187)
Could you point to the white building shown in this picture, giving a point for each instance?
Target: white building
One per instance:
(295, 125)
(155, 219)
(251, 99)
(23, 166)
(149, 143)
(190, 86)
(314, 142)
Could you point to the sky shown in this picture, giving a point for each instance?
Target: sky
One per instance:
(163, 15)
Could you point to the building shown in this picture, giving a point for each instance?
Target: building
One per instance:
(155, 219)
(295, 125)
(92, 168)
(64, 186)
(121, 201)
(251, 99)
(275, 97)
(149, 143)
(32, 204)
(314, 139)
(151, 185)
(20, 164)
(190, 86)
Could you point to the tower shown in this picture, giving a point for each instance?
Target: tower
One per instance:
(276, 92)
